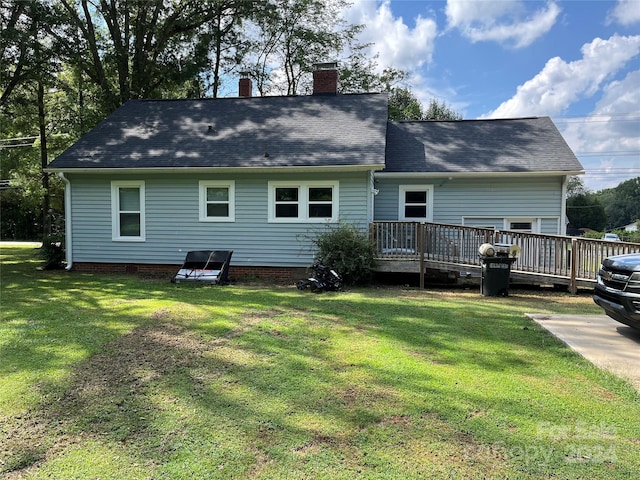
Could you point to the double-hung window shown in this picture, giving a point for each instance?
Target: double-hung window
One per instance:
(416, 203)
(217, 201)
(127, 211)
(309, 202)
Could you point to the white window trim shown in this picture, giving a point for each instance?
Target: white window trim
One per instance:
(303, 201)
(231, 185)
(536, 222)
(401, 205)
(115, 210)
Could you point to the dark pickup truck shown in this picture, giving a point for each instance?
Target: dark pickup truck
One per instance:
(618, 288)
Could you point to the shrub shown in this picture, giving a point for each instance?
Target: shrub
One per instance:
(349, 251)
(633, 237)
(52, 252)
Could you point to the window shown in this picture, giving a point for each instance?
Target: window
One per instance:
(127, 211)
(528, 225)
(523, 226)
(287, 202)
(320, 202)
(217, 201)
(416, 202)
(303, 202)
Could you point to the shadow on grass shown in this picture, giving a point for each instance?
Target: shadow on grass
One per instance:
(284, 377)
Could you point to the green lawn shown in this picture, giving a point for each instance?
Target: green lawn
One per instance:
(106, 376)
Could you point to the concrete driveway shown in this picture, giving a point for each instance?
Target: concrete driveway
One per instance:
(606, 343)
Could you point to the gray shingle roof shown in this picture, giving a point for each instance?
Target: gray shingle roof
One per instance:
(483, 146)
(327, 130)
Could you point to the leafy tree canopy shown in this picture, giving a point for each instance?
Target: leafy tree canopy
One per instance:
(576, 187)
(584, 210)
(404, 105)
(621, 204)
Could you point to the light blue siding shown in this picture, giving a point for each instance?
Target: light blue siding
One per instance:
(173, 226)
(480, 201)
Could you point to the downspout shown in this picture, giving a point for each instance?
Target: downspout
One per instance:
(67, 221)
(371, 198)
(563, 208)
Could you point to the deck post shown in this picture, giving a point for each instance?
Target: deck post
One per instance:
(421, 228)
(573, 285)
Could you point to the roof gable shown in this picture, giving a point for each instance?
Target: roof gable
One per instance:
(306, 131)
(483, 146)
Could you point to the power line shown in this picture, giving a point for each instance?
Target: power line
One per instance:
(614, 169)
(592, 115)
(16, 145)
(21, 142)
(611, 174)
(598, 118)
(32, 137)
(601, 121)
(621, 153)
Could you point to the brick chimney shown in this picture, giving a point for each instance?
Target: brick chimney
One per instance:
(244, 85)
(325, 78)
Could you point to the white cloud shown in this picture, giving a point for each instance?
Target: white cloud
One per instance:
(615, 122)
(561, 83)
(598, 138)
(506, 22)
(626, 12)
(609, 135)
(397, 44)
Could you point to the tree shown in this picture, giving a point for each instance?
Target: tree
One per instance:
(440, 111)
(18, 61)
(36, 115)
(138, 48)
(358, 73)
(28, 64)
(291, 36)
(404, 105)
(227, 44)
(622, 203)
(21, 203)
(584, 211)
(575, 187)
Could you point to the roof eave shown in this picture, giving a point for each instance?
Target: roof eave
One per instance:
(286, 168)
(469, 174)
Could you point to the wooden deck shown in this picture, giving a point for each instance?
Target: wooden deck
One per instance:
(544, 259)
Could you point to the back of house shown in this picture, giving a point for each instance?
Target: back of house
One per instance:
(261, 176)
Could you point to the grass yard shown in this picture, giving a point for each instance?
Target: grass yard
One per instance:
(113, 377)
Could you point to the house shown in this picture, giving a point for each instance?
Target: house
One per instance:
(261, 176)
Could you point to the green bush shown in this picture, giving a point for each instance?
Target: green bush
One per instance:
(349, 251)
(632, 237)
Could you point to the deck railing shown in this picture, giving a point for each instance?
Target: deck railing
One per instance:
(552, 255)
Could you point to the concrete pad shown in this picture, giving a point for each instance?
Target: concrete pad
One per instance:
(606, 343)
(20, 244)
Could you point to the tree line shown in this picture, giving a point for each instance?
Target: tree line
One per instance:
(67, 64)
(605, 210)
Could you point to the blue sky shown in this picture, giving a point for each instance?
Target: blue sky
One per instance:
(576, 61)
